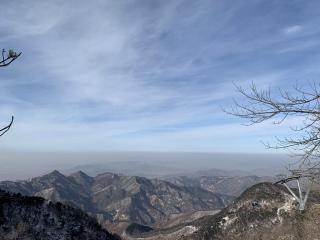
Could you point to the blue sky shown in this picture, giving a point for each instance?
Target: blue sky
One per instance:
(149, 75)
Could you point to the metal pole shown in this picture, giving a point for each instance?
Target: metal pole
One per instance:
(307, 193)
(301, 202)
(292, 193)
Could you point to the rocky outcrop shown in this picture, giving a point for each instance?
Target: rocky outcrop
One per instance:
(264, 212)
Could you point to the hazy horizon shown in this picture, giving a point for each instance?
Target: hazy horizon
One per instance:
(19, 166)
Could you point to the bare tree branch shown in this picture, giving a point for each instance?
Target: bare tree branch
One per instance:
(6, 128)
(261, 106)
(6, 61)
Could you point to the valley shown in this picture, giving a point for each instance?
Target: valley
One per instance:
(120, 202)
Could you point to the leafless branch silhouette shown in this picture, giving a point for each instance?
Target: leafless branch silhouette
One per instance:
(7, 59)
(261, 105)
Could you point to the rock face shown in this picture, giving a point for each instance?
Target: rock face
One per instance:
(116, 198)
(263, 212)
(31, 218)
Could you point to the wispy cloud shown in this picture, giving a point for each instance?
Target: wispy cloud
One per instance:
(135, 74)
(293, 29)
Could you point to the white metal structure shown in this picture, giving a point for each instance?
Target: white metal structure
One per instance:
(308, 176)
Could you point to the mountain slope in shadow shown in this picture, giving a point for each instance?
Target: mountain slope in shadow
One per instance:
(23, 217)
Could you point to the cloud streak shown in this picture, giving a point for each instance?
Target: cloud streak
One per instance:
(141, 75)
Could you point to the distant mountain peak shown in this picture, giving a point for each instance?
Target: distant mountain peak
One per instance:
(80, 174)
(82, 179)
(55, 173)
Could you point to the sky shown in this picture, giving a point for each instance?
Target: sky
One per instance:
(149, 75)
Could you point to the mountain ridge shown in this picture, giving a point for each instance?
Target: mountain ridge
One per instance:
(265, 211)
(114, 198)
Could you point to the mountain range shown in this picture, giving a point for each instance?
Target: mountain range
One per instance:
(174, 208)
(117, 200)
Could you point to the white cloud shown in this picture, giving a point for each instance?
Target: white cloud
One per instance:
(292, 29)
(94, 73)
